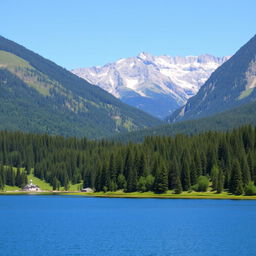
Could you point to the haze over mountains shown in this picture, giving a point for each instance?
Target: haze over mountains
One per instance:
(156, 84)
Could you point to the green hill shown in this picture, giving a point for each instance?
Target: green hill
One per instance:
(39, 96)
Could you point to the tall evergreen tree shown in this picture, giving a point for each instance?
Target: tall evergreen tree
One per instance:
(161, 179)
(245, 170)
(220, 182)
(132, 180)
(236, 183)
(214, 176)
(185, 176)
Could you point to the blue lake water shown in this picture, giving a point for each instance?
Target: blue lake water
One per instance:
(60, 225)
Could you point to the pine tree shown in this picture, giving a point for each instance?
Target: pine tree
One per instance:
(18, 178)
(198, 163)
(178, 186)
(112, 168)
(24, 179)
(98, 184)
(1, 183)
(193, 173)
(150, 180)
(142, 166)
(132, 180)
(161, 179)
(185, 176)
(121, 182)
(220, 182)
(66, 183)
(175, 177)
(10, 177)
(245, 170)
(142, 184)
(54, 183)
(128, 165)
(214, 176)
(236, 183)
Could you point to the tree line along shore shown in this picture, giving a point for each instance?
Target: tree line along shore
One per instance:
(215, 163)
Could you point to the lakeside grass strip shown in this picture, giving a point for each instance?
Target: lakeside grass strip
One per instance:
(137, 195)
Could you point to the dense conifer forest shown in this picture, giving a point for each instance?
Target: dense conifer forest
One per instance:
(234, 118)
(216, 160)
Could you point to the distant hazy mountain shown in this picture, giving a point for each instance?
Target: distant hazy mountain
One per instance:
(39, 96)
(231, 85)
(156, 84)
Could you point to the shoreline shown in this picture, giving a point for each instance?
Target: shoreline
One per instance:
(133, 195)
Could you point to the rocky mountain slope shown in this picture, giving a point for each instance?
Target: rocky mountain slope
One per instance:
(156, 84)
(231, 85)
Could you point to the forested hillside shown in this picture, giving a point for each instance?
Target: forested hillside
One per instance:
(243, 115)
(180, 163)
(39, 96)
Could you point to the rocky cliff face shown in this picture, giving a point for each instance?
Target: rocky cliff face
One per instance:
(156, 84)
(231, 85)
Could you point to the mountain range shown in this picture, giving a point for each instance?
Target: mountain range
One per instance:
(41, 97)
(226, 100)
(156, 84)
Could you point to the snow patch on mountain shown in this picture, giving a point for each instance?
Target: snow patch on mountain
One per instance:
(155, 84)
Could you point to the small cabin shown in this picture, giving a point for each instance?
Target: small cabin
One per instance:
(31, 187)
(87, 190)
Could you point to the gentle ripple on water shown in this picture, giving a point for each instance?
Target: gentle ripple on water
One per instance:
(55, 225)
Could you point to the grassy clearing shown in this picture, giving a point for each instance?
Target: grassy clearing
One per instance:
(10, 60)
(41, 183)
(168, 195)
(73, 187)
(11, 188)
(245, 93)
(75, 190)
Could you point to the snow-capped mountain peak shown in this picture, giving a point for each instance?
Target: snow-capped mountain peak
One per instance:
(155, 84)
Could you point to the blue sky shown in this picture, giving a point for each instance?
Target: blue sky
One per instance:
(83, 33)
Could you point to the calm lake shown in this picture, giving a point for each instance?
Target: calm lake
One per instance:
(60, 225)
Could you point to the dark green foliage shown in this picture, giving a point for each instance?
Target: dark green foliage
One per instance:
(132, 180)
(220, 181)
(150, 180)
(245, 169)
(18, 179)
(214, 177)
(174, 177)
(236, 183)
(121, 182)
(142, 184)
(245, 114)
(55, 184)
(158, 164)
(202, 184)
(250, 189)
(185, 175)
(161, 179)
(1, 183)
